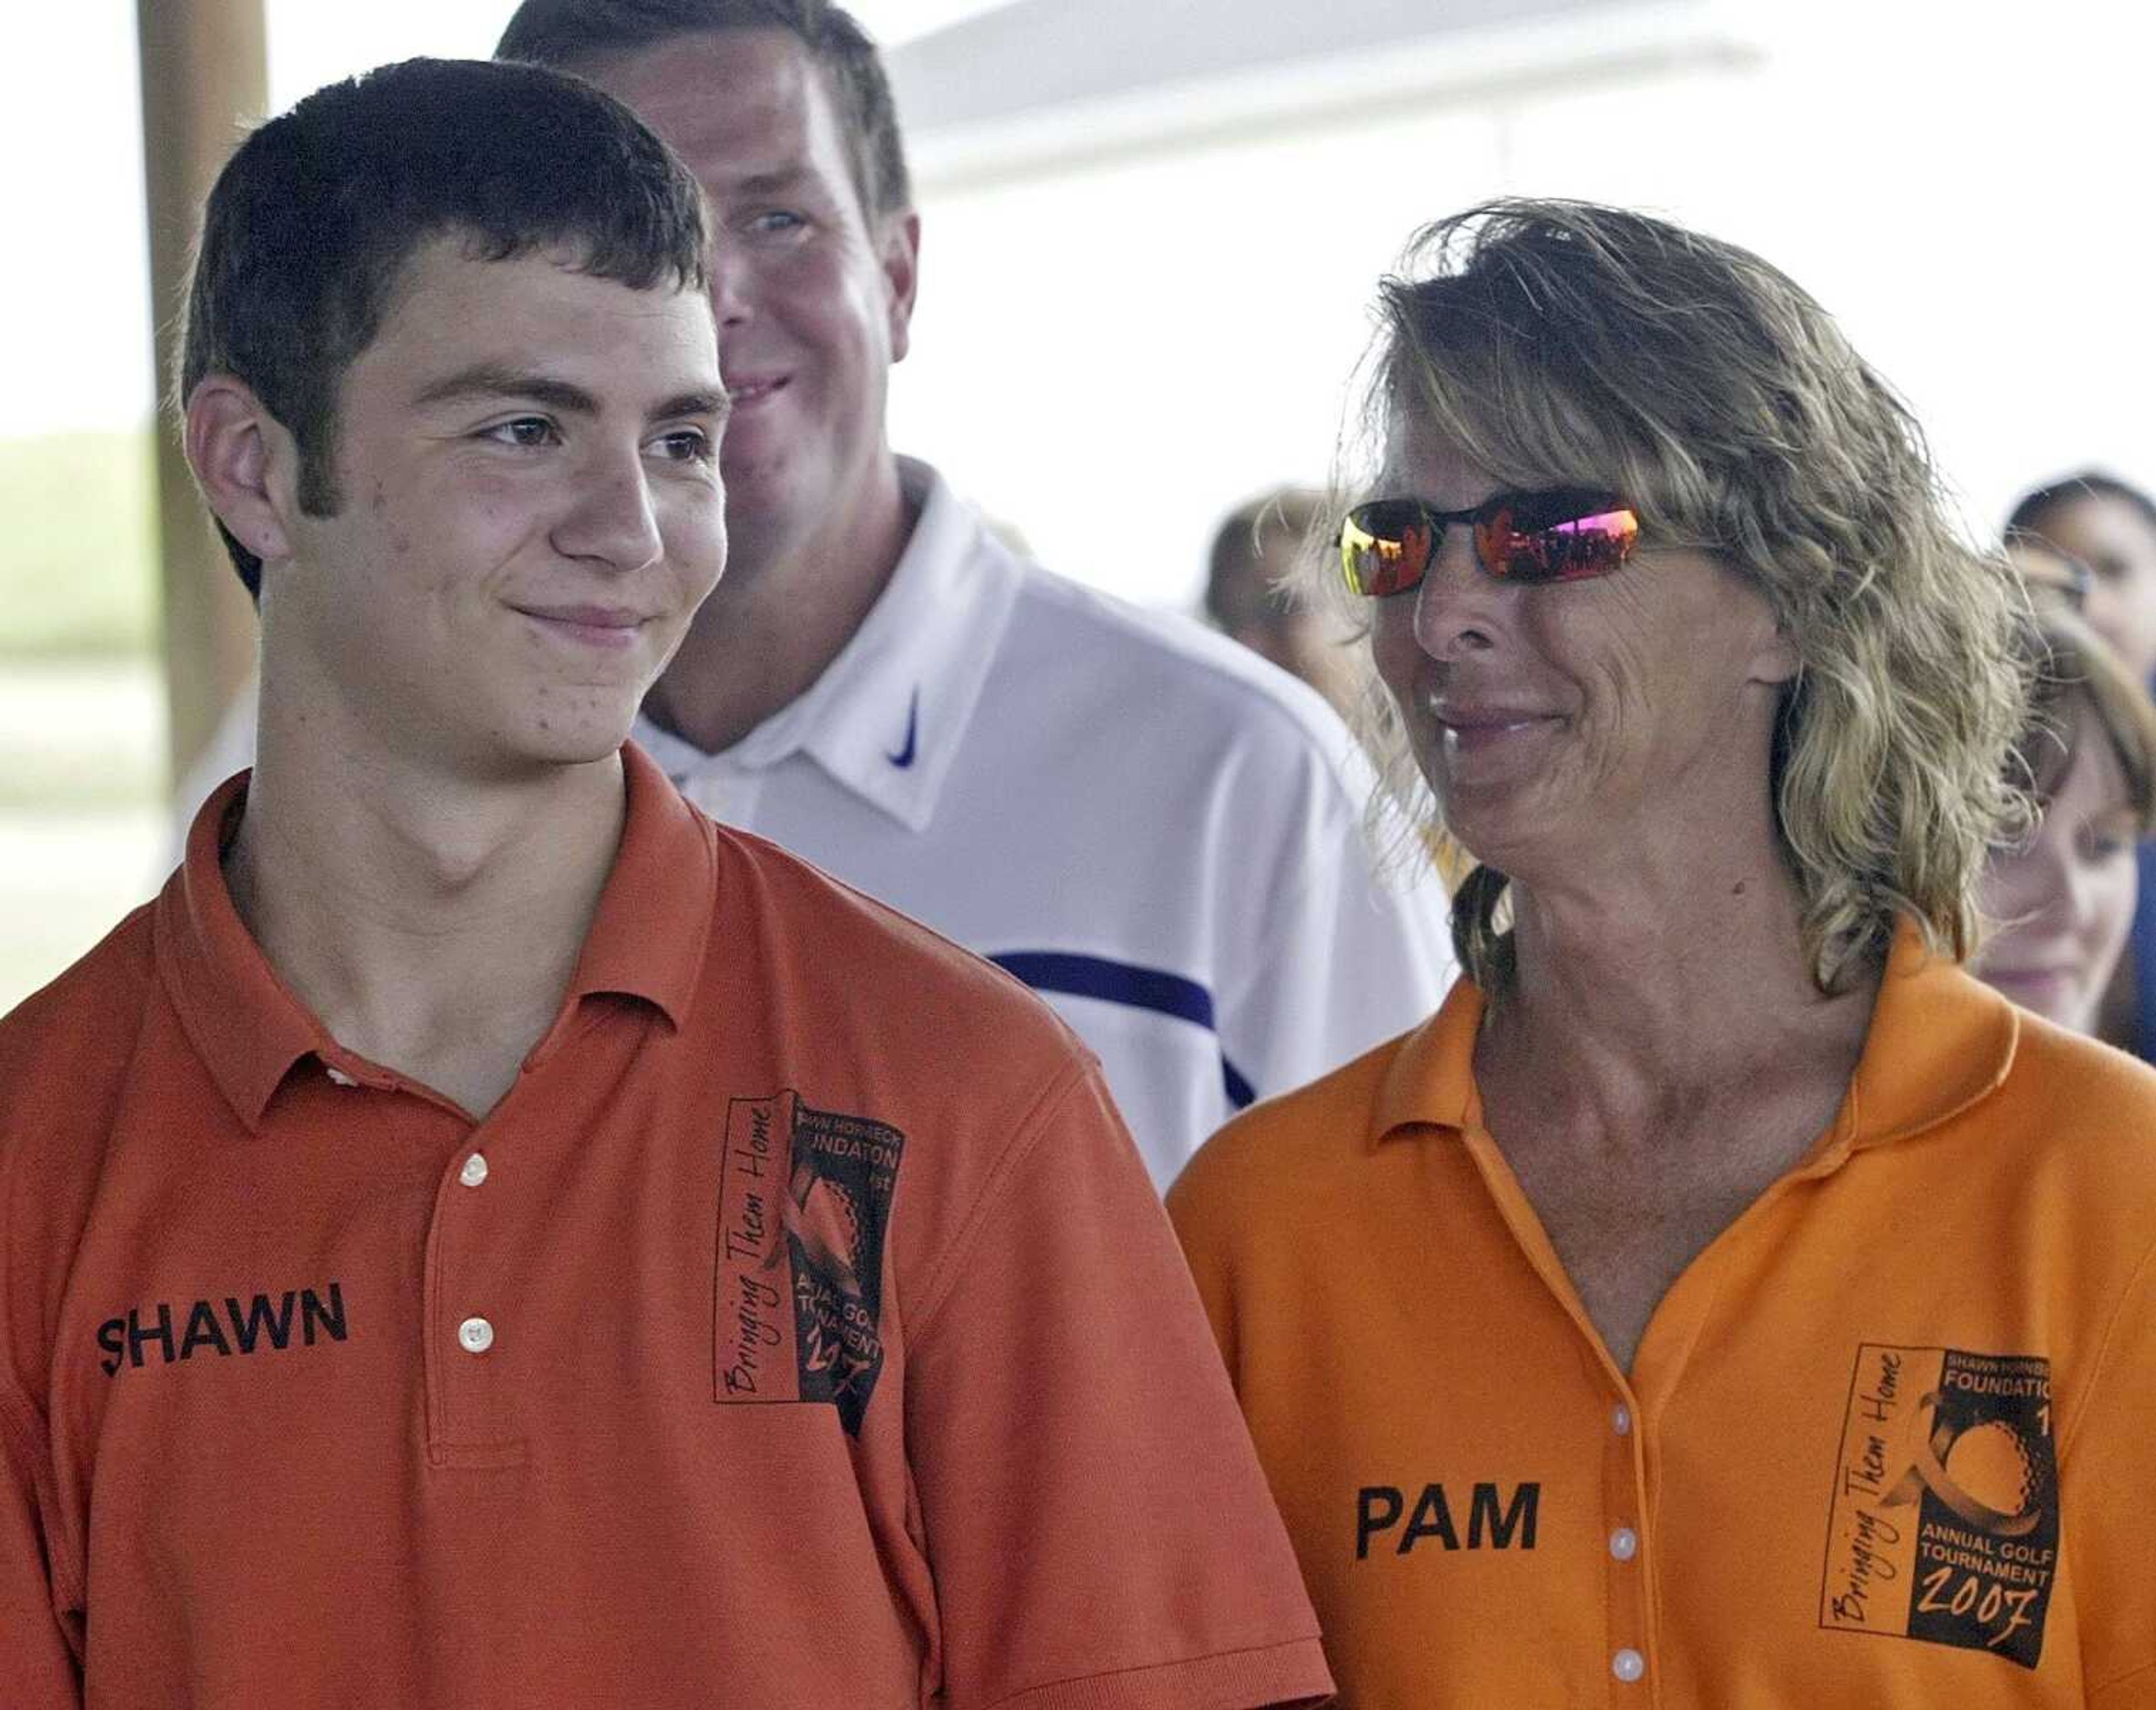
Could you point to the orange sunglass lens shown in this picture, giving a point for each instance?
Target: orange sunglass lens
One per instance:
(1517, 548)
(1384, 548)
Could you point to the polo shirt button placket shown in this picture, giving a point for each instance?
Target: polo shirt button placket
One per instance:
(475, 1335)
(471, 1423)
(1628, 1599)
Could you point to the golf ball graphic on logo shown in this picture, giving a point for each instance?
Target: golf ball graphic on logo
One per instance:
(1994, 1465)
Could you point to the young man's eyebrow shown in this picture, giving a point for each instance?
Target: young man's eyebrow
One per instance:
(486, 380)
(692, 403)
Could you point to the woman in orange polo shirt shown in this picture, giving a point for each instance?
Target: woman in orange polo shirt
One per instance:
(1724, 1299)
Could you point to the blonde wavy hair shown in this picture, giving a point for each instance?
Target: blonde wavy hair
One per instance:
(1565, 344)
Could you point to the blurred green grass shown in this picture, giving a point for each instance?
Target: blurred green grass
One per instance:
(78, 566)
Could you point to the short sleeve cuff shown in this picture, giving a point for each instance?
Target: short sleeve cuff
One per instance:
(1283, 1675)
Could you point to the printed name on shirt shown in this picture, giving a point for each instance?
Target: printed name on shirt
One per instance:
(804, 1203)
(167, 1332)
(1943, 1524)
(1494, 1521)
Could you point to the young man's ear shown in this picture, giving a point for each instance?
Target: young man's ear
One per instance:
(246, 463)
(899, 253)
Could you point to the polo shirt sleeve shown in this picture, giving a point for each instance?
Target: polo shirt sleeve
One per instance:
(1340, 958)
(2106, 1466)
(1099, 1530)
(39, 1666)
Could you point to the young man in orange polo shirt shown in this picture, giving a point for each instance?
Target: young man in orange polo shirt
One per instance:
(485, 1235)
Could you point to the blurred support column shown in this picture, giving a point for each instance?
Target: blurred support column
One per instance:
(204, 82)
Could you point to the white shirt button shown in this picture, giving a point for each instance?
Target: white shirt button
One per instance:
(475, 1170)
(475, 1335)
(1620, 1421)
(1624, 1543)
(1627, 1664)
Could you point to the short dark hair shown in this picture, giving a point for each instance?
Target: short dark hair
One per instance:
(314, 217)
(1234, 594)
(2033, 508)
(571, 35)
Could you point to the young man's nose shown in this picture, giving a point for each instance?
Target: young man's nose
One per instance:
(613, 521)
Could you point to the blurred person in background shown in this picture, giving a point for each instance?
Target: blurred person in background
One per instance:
(2103, 532)
(1724, 1299)
(2061, 899)
(1251, 597)
(2054, 580)
(1114, 806)
(487, 1236)
(2108, 528)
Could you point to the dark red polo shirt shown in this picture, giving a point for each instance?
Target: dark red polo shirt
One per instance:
(800, 1329)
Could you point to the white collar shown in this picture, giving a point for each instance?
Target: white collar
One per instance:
(886, 717)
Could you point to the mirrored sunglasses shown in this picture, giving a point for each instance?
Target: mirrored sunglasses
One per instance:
(1564, 535)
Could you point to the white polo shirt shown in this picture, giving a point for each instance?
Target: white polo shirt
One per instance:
(1158, 831)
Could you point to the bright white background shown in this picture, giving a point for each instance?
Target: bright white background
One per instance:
(1110, 359)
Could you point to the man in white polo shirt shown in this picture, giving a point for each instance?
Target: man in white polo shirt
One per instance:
(1151, 834)
(1157, 833)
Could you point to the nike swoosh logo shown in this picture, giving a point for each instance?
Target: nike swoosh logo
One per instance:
(904, 757)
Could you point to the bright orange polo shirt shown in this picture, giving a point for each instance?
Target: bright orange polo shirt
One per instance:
(1891, 1441)
(800, 1330)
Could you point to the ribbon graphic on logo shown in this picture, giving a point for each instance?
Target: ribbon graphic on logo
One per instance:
(1992, 1459)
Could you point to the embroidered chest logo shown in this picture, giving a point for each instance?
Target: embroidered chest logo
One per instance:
(170, 1332)
(804, 1206)
(1945, 1519)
